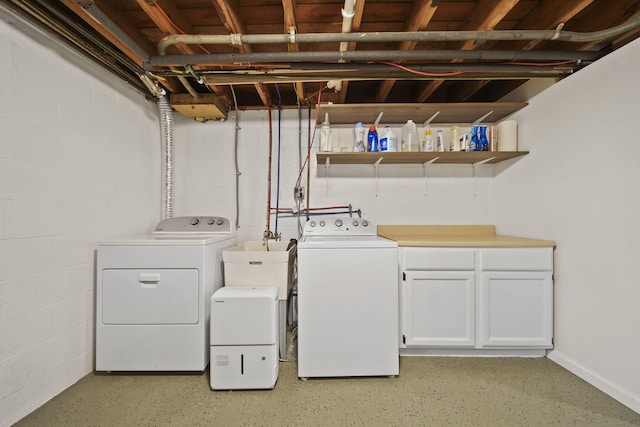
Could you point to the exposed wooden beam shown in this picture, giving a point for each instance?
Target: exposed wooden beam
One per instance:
(465, 90)
(547, 15)
(289, 9)
(355, 27)
(485, 16)
(171, 21)
(419, 18)
(421, 14)
(232, 22)
(117, 16)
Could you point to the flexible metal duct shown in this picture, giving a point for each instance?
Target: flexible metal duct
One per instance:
(166, 125)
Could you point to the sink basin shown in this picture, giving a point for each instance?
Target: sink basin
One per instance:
(251, 264)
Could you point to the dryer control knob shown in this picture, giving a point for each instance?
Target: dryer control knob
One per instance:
(322, 223)
(312, 224)
(338, 223)
(194, 221)
(210, 221)
(365, 223)
(355, 222)
(220, 221)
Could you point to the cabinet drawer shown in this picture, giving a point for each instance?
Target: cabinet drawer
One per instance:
(517, 259)
(439, 258)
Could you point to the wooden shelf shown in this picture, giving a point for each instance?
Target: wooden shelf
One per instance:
(460, 113)
(470, 157)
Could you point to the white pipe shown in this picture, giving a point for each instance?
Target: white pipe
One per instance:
(348, 12)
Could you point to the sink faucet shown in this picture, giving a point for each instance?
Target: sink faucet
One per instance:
(270, 235)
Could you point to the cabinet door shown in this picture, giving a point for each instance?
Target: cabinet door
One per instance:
(439, 309)
(515, 310)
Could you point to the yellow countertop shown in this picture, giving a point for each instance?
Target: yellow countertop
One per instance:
(455, 236)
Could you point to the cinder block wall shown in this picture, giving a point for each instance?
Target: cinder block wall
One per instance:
(79, 156)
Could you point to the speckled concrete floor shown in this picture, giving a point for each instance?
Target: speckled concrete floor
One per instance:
(429, 392)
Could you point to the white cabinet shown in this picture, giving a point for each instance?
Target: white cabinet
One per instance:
(476, 298)
(515, 294)
(439, 309)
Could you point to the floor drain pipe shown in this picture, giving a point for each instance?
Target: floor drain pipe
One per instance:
(166, 125)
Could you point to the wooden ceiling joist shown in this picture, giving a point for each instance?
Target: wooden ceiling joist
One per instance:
(232, 22)
(485, 16)
(419, 18)
(548, 15)
(289, 12)
(117, 16)
(171, 21)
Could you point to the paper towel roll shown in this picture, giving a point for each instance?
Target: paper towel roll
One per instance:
(508, 135)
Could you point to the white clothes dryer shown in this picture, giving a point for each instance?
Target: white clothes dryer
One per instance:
(153, 292)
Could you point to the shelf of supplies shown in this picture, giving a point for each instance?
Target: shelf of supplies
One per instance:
(466, 112)
(471, 157)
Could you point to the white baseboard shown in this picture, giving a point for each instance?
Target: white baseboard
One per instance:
(621, 395)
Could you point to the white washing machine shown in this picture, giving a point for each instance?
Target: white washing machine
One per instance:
(152, 297)
(347, 300)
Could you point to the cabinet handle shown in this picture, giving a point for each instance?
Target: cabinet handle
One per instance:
(149, 278)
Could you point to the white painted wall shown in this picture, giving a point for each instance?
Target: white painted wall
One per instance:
(205, 177)
(579, 187)
(79, 162)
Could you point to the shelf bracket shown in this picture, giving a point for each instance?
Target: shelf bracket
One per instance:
(474, 167)
(430, 119)
(482, 118)
(375, 166)
(425, 166)
(327, 163)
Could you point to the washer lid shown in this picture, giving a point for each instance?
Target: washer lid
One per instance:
(345, 241)
(191, 226)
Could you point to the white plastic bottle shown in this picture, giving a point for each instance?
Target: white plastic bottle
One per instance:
(393, 141)
(359, 134)
(410, 137)
(427, 144)
(388, 141)
(455, 140)
(439, 141)
(326, 138)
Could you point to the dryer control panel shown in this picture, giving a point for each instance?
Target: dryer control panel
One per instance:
(339, 226)
(192, 225)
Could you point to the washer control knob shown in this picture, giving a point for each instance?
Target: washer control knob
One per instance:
(220, 221)
(322, 223)
(210, 221)
(194, 221)
(355, 222)
(365, 223)
(312, 224)
(338, 223)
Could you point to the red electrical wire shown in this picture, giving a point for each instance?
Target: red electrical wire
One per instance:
(270, 161)
(422, 73)
(312, 139)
